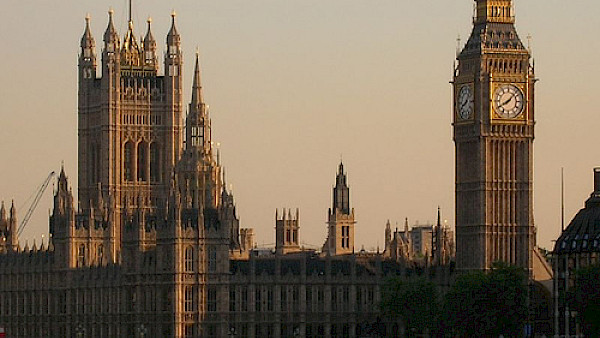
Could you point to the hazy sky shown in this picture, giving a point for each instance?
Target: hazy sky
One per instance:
(295, 84)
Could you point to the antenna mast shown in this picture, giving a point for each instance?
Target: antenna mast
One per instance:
(130, 10)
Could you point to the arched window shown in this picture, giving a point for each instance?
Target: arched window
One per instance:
(189, 259)
(128, 161)
(154, 162)
(142, 157)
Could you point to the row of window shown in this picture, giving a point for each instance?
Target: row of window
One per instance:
(290, 298)
(141, 162)
(83, 301)
(190, 259)
(141, 119)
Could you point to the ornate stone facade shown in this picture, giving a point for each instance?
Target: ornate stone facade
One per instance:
(154, 248)
(493, 133)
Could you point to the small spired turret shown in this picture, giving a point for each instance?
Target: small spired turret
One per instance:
(87, 56)
(173, 57)
(150, 48)
(111, 37)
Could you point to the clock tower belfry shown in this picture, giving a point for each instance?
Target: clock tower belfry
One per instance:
(493, 120)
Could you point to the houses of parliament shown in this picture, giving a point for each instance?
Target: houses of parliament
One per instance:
(153, 246)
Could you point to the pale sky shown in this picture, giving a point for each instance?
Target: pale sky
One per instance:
(295, 84)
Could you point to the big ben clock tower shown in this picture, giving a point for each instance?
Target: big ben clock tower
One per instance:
(493, 134)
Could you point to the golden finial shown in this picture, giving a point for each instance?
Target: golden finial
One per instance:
(111, 11)
(87, 17)
(173, 13)
(149, 20)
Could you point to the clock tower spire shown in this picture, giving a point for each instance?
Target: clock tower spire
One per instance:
(493, 134)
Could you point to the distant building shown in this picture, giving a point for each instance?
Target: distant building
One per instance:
(423, 244)
(577, 247)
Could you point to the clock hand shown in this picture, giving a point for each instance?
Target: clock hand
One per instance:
(507, 101)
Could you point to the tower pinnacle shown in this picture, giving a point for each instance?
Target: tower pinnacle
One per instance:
(197, 97)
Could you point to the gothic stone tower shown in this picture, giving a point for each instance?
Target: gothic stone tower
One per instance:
(286, 232)
(493, 134)
(130, 123)
(340, 219)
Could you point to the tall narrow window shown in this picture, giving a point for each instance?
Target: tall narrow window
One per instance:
(212, 299)
(128, 161)
(154, 162)
(100, 254)
(141, 162)
(212, 260)
(81, 255)
(188, 303)
(189, 259)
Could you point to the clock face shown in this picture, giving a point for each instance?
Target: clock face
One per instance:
(508, 101)
(464, 102)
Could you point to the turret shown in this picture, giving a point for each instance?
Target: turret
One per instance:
(173, 57)
(111, 37)
(150, 58)
(174, 95)
(63, 214)
(2, 213)
(198, 132)
(341, 192)
(388, 237)
(13, 239)
(87, 56)
(173, 39)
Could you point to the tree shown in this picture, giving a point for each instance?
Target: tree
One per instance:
(585, 299)
(487, 304)
(413, 301)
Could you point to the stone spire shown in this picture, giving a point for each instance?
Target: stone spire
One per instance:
(150, 47)
(13, 226)
(2, 212)
(197, 97)
(173, 38)
(341, 192)
(198, 130)
(111, 37)
(88, 44)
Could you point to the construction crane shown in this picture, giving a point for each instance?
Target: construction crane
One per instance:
(34, 204)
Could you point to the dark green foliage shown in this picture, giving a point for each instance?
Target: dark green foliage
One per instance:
(487, 304)
(585, 299)
(415, 302)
